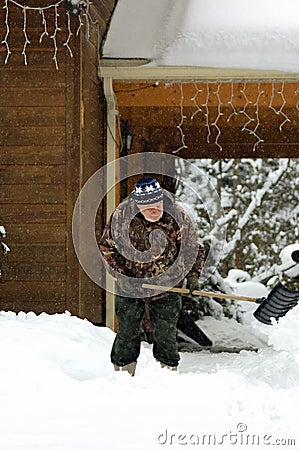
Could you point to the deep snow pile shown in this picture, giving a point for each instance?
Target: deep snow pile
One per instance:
(58, 389)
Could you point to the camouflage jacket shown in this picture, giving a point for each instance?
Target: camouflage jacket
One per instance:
(139, 250)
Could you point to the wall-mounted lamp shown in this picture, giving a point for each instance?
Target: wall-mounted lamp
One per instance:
(127, 136)
(75, 6)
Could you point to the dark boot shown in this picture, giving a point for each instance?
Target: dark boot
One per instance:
(168, 367)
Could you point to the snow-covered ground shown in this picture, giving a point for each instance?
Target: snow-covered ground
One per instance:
(58, 389)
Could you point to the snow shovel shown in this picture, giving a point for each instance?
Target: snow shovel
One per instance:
(278, 302)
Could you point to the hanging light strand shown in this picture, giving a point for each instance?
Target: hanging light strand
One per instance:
(26, 40)
(219, 114)
(54, 35)
(194, 99)
(256, 104)
(297, 104)
(206, 105)
(44, 24)
(231, 103)
(280, 111)
(5, 40)
(84, 9)
(183, 117)
(66, 43)
(243, 111)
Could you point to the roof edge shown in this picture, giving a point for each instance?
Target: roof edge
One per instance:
(138, 69)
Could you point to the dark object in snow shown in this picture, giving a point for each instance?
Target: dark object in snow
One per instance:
(194, 348)
(190, 329)
(278, 302)
(185, 324)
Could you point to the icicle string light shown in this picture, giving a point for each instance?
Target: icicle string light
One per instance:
(44, 32)
(5, 41)
(256, 104)
(243, 111)
(253, 121)
(26, 40)
(286, 119)
(272, 98)
(297, 104)
(279, 111)
(66, 44)
(54, 36)
(44, 23)
(206, 105)
(219, 114)
(183, 117)
(194, 99)
(231, 103)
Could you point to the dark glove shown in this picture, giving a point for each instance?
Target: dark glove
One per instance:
(192, 282)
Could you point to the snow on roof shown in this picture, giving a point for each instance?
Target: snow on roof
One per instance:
(245, 34)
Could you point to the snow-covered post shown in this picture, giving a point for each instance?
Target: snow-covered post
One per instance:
(4, 249)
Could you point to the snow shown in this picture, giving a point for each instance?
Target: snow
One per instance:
(2, 231)
(286, 258)
(229, 34)
(58, 389)
(241, 284)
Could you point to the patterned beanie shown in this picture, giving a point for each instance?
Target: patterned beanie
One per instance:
(147, 191)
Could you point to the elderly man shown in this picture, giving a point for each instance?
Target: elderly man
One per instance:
(149, 209)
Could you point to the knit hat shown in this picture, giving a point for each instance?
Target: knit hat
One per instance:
(147, 191)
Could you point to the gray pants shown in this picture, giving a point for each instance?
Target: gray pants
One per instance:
(164, 315)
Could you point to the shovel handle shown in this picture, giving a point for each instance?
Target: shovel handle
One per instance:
(195, 292)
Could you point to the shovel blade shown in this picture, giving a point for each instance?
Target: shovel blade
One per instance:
(278, 302)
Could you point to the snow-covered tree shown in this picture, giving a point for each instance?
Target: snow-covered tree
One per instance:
(260, 205)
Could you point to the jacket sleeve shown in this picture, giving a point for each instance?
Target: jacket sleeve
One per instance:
(109, 251)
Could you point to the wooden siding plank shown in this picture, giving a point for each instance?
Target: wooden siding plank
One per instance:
(31, 234)
(23, 271)
(37, 57)
(33, 154)
(35, 76)
(28, 174)
(33, 213)
(32, 193)
(31, 116)
(37, 254)
(18, 291)
(27, 96)
(32, 136)
(32, 303)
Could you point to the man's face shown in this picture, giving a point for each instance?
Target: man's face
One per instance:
(152, 212)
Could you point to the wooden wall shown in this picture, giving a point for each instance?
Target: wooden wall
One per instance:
(51, 141)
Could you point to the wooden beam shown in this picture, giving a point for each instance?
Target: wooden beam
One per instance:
(149, 94)
(118, 72)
